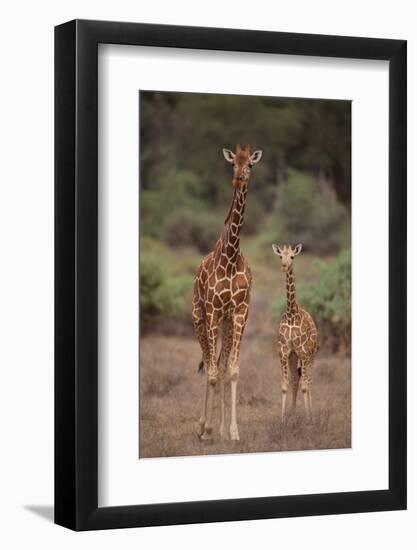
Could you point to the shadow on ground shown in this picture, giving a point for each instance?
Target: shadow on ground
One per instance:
(45, 512)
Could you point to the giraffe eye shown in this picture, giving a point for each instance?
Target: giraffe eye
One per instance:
(292, 257)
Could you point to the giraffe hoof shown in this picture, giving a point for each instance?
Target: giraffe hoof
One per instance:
(200, 429)
(223, 434)
(234, 433)
(206, 437)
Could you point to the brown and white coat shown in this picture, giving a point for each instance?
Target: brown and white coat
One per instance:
(221, 299)
(297, 338)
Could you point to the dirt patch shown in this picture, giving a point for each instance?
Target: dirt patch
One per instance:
(171, 392)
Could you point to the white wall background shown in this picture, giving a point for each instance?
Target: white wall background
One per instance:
(26, 273)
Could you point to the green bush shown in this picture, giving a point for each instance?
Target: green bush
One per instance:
(162, 293)
(154, 208)
(328, 300)
(183, 185)
(254, 215)
(185, 227)
(179, 190)
(310, 215)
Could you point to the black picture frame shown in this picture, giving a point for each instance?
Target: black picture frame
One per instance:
(76, 272)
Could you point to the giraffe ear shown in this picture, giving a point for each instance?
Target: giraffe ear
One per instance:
(297, 249)
(228, 155)
(255, 157)
(277, 250)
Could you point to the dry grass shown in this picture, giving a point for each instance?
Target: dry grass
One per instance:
(171, 394)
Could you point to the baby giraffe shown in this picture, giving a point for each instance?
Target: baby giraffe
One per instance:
(297, 339)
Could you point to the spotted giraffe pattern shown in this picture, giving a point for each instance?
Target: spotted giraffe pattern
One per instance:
(221, 299)
(297, 339)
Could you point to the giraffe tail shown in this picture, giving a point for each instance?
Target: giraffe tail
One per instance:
(201, 366)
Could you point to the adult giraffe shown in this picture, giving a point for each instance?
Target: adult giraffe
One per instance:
(221, 299)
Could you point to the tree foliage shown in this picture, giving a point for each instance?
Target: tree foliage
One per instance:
(302, 184)
(162, 291)
(300, 192)
(310, 216)
(186, 132)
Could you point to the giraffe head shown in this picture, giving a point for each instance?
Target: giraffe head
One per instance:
(287, 254)
(242, 161)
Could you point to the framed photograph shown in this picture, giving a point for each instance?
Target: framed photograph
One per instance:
(230, 284)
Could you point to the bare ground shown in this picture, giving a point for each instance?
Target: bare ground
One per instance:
(171, 392)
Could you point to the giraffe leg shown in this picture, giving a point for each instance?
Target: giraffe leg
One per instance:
(295, 378)
(239, 321)
(208, 426)
(310, 404)
(222, 430)
(295, 385)
(304, 387)
(201, 333)
(234, 431)
(310, 384)
(284, 381)
(283, 405)
(212, 376)
(203, 416)
(223, 362)
(202, 421)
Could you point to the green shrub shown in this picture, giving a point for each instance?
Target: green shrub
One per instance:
(295, 199)
(183, 185)
(328, 300)
(162, 293)
(186, 227)
(254, 215)
(154, 208)
(179, 190)
(311, 215)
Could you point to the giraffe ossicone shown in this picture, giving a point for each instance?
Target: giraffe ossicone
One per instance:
(221, 300)
(297, 339)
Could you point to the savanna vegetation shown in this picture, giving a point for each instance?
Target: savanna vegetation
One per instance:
(299, 192)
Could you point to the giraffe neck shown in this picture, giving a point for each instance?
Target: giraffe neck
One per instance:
(230, 237)
(292, 306)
